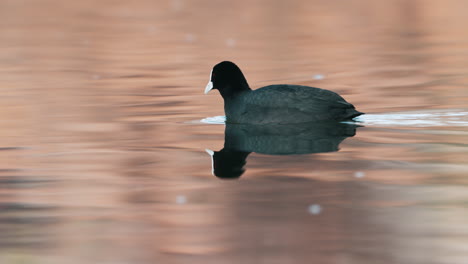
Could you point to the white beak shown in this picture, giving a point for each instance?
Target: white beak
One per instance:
(211, 153)
(208, 87)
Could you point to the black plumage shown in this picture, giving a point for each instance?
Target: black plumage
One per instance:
(275, 104)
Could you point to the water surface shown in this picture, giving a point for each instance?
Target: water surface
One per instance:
(102, 148)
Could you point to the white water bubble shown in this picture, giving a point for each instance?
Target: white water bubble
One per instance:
(190, 38)
(181, 199)
(314, 209)
(318, 77)
(230, 42)
(152, 30)
(177, 5)
(359, 174)
(215, 120)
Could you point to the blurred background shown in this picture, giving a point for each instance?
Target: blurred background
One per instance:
(102, 152)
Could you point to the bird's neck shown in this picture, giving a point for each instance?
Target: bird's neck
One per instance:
(231, 91)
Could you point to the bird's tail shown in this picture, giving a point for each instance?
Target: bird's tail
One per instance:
(352, 113)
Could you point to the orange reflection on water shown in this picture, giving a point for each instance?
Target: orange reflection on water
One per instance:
(102, 156)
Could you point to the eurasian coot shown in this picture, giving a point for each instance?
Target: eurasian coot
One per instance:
(275, 104)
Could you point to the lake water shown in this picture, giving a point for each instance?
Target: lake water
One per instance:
(104, 127)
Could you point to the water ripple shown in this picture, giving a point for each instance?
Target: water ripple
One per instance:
(457, 117)
(417, 118)
(214, 120)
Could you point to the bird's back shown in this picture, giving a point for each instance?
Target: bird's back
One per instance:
(288, 104)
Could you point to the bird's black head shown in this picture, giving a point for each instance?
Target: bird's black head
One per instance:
(228, 163)
(228, 79)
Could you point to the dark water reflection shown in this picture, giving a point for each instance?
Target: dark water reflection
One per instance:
(100, 161)
(240, 140)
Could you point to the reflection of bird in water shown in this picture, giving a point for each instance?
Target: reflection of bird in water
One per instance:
(241, 140)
